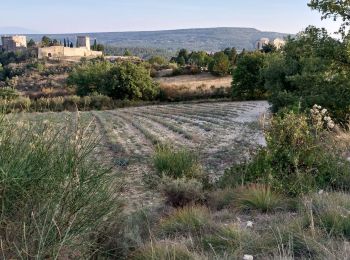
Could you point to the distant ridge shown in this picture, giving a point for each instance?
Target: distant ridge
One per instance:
(207, 39)
(15, 30)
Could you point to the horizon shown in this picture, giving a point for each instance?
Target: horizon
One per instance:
(274, 16)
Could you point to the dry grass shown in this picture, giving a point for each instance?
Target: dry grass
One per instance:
(194, 85)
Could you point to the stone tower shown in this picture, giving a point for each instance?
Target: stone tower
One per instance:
(14, 43)
(83, 42)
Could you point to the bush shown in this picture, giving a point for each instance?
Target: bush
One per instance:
(176, 164)
(191, 220)
(258, 197)
(295, 161)
(181, 192)
(123, 80)
(220, 65)
(53, 195)
(163, 251)
(8, 93)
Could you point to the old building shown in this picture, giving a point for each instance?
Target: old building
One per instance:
(278, 43)
(82, 50)
(261, 43)
(13, 43)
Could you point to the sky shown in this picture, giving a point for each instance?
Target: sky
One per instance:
(73, 16)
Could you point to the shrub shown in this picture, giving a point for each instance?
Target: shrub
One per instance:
(176, 164)
(53, 195)
(258, 197)
(8, 93)
(162, 251)
(123, 80)
(181, 192)
(295, 160)
(185, 221)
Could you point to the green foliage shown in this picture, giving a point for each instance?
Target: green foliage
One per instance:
(120, 81)
(221, 198)
(220, 65)
(334, 10)
(8, 93)
(176, 164)
(312, 69)
(247, 81)
(258, 197)
(181, 192)
(53, 195)
(186, 221)
(163, 251)
(31, 43)
(295, 160)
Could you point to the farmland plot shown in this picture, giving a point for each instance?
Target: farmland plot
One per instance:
(220, 133)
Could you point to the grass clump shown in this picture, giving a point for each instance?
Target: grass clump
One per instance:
(163, 251)
(226, 240)
(221, 198)
(53, 196)
(331, 212)
(258, 197)
(181, 192)
(176, 164)
(186, 221)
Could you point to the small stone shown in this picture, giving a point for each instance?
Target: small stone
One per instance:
(320, 192)
(249, 224)
(248, 257)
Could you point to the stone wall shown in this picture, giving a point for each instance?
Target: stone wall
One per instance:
(60, 51)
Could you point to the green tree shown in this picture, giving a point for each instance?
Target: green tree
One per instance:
(247, 81)
(182, 57)
(335, 10)
(127, 53)
(199, 59)
(267, 48)
(46, 41)
(220, 65)
(64, 43)
(71, 45)
(31, 43)
(94, 47)
(232, 56)
(100, 47)
(124, 80)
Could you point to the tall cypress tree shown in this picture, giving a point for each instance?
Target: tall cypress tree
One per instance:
(65, 43)
(95, 45)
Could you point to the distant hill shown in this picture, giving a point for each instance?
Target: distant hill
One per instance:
(208, 39)
(15, 30)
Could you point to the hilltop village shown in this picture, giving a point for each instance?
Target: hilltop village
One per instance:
(54, 50)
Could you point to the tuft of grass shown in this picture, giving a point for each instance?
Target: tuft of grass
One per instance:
(181, 192)
(176, 164)
(221, 199)
(163, 251)
(192, 220)
(226, 240)
(53, 196)
(331, 211)
(258, 197)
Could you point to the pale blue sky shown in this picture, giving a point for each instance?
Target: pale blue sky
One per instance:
(64, 16)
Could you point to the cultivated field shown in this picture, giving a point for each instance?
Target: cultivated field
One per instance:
(203, 84)
(220, 133)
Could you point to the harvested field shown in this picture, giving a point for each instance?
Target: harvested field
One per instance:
(220, 133)
(200, 85)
